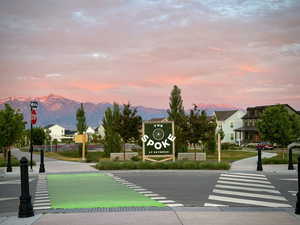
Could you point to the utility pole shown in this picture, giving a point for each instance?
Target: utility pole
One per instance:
(33, 108)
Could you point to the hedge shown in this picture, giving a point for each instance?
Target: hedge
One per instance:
(187, 165)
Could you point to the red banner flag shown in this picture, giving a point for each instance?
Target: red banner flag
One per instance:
(33, 116)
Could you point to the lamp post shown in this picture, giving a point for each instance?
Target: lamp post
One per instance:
(297, 209)
(33, 108)
(259, 163)
(25, 206)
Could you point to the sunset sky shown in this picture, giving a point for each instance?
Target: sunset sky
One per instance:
(238, 52)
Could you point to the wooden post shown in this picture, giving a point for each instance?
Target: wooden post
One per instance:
(173, 132)
(143, 132)
(219, 147)
(83, 150)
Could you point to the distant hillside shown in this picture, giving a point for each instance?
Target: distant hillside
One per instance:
(60, 110)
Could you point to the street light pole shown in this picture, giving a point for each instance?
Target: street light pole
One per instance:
(33, 119)
(31, 147)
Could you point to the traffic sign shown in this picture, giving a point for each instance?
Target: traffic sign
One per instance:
(33, 116)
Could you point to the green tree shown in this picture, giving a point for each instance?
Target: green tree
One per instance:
(38, 136)
(81, 121)
(194, 126)
(111, 124)
(279, 126)
(11, 127)
(208, 137)
(130, 124)
(176, 114)
(81, 126)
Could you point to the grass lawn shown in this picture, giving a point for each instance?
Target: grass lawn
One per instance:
(93, 190)
(74, 156)
(280, 158)
(14, 161)
(230, 155)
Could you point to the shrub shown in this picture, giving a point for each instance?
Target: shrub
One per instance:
(227, 145)
(135, 158)
(128, 165)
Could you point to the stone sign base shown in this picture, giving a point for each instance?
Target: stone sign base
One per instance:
(120, 155)
(200, 156)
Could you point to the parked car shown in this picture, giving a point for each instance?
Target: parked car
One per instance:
(265, 145)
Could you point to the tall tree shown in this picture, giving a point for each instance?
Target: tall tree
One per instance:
(194, 126)
(81, 121)
(279, 126)
(176, 114)
(11, 127)
(111, 124)
(130, 124)
(81, 125)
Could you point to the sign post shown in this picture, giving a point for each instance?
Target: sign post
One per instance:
(219, 147)
(158, 141)
(82, 138)
(33, 120)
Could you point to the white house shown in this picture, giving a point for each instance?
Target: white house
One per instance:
(90, 131)
(100, 130)
(56, 131)
(228, 121)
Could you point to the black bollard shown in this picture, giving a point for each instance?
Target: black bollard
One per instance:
(291, 166)
(42, 165)
(25, 207)
(297, 209)
(8, 166)
(259, 163)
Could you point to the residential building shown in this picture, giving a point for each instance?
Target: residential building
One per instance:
(248, 132)
(100, 130)
(56, 131)
(90, 131)
(228, 121)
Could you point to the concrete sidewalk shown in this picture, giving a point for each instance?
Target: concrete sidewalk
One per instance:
(250, 164)
(195, 216)
(53, 165)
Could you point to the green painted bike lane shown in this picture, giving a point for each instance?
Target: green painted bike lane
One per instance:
(93, 190)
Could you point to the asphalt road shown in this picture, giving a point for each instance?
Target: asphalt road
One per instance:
(218, 188)
(10, 191)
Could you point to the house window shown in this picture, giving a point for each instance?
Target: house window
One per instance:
(231, 124)
(232, 136)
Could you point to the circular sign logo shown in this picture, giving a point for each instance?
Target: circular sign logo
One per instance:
(158, 134)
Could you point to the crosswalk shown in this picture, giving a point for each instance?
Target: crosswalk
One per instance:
(245, 189)
(146, 192)
(41, 198)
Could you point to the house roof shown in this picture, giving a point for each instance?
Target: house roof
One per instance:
(49, 125)
(263, 107)
(224, 115)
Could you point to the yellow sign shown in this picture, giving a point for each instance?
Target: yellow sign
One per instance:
(81, 138)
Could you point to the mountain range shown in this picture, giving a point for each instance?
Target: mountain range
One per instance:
(54, 109)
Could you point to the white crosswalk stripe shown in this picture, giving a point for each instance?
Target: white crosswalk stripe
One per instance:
(247, 188)
(147, 193)
(41, 197)
(249, 174)
(243, 176)
(245, 180)
(245, 184)
(235, 189)
(249, 194)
